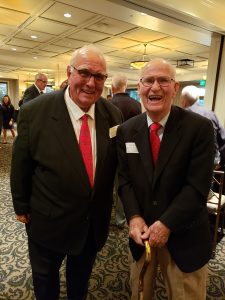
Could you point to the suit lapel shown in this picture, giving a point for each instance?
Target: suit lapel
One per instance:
(171, 137)
(141, 139)
(63, 129)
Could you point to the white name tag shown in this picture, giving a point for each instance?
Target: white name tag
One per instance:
(131, 148)
(112, 131)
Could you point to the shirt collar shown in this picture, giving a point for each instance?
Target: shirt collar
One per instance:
(162, 122)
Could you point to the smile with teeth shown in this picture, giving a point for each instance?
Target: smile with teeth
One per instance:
(88, 92)
(155, 97)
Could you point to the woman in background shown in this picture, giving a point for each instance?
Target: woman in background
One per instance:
(7, 112)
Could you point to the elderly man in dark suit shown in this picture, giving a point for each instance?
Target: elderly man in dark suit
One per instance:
(35, 89)
(165, 170)
(63, 169)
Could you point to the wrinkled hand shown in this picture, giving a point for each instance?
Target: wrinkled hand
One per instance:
(137, 227)
(157, 234)
(23, 218)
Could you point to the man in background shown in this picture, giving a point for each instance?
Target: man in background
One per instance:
(129, 108)
(35, 89)
(189, 101)
(165, 170)
(63, 167)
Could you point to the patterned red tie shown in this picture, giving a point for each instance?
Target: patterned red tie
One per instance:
(86, 148)
(155, 140)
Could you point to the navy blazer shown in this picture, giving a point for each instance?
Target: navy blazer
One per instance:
(175, 191)
(49, 179)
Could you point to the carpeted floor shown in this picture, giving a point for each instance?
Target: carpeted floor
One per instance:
(110, 276)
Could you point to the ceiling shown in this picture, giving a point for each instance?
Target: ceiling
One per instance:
(175, 30)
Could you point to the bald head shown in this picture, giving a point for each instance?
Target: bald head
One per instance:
(87, 52)
(159, 62)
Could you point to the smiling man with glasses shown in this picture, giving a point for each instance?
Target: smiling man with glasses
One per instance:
(35, 89)
(165, 170)
(63, 169)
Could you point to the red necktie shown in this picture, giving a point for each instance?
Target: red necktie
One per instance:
(86, 148)
(155, 140)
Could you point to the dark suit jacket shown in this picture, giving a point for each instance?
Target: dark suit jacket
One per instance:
(128, 106)
(49, 179)
(175, 192)
(219, 130)
(30, 93)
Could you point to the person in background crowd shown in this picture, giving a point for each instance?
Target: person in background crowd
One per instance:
(189, 101)
(129, 108)
(63, 167)
(165, 170)
(35, 89)
(8, 114)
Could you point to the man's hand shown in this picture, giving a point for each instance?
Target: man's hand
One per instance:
(23, 218)
(158, 234)
(137, 227)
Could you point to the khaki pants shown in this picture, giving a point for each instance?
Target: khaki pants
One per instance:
(179, 285)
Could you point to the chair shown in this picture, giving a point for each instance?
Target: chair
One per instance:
(216, 207)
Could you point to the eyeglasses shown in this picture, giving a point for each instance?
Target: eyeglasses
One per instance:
(44, 81)
(163, 81)
(86, 75)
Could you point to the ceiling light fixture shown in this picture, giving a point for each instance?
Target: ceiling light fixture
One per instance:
(67, 15)
(139, 64)
(13, 49)
(33, 36)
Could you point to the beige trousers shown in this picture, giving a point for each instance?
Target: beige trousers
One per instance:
(179, 285)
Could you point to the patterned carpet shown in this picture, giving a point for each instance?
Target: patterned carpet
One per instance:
(110, 276)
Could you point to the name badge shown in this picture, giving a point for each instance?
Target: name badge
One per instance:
(131, 148)
(112, 131)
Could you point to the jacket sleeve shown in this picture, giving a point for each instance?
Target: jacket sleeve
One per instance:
(22, 167)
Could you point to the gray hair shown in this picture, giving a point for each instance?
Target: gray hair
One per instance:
(84, 50)
(39, 76)
(119, 81)
(190, 92)
(160, 61)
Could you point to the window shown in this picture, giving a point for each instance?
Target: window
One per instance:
(3, 89)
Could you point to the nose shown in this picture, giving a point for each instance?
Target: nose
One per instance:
(155, 85)
(91, 80)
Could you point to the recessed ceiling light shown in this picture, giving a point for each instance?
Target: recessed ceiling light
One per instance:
(33, 36)
(67, 15)
(143, 14)
(34, 57)
(13, 49)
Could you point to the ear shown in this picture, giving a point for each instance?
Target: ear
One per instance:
(138, 88)
(68, 71)
(176, 88)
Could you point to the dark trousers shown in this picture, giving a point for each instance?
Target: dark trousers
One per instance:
(45, 265)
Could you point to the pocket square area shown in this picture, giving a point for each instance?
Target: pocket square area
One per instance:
(131, 148)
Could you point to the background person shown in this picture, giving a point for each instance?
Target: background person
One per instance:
(165, 198)
(7, 117)
(35, 89)
(129, 108)
(63, 196)
(189, 101)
